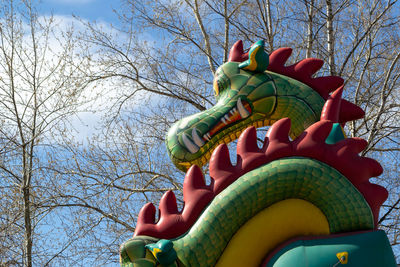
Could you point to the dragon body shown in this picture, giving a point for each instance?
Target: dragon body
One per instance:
(307, 184)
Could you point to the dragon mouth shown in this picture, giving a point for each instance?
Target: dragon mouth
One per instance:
(240, 111)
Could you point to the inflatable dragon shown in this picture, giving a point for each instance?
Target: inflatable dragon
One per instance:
(303, 199)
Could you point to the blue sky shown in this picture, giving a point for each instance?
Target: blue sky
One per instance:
(99, 10)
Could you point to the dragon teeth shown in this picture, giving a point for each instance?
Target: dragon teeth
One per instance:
(192, 147)
(206, 137)
(242, 111)
(196, 138)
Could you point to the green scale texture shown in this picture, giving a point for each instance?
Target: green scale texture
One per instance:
(296, 177)
(296, 101)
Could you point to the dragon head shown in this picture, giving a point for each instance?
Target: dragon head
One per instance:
(252, 89)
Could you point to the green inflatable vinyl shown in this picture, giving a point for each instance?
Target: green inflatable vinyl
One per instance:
(305, 157)
(367, 249)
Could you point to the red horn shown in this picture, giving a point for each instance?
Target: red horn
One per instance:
(236, 53)
(331, 109)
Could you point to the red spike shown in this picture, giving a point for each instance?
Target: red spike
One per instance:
(278, 140)
(316, 134)
(350, 112)
(331, 109)
(278, 58)
(355, 144)
(308, 67)
(168, 204)
(319, 131)
(265, 144)
(372, 167)
(248, 141)
(302, 71)
(196, 194)
(194, 180)
(249, 153)
(236, 53)
(375, 196)
(279, 131)
(147, 214)
(327, 84)
(220, 162)
(221, 169)
(343, 154)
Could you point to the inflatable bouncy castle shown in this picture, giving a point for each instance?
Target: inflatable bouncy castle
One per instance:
(302, 199)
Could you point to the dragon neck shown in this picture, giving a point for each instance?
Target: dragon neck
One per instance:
(255, 191)
(341, 156)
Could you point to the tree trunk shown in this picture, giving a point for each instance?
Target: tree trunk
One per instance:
(310, 37)
(269, 26)
(226, 33)
(330, 38)
(28, 226)
(205, 36)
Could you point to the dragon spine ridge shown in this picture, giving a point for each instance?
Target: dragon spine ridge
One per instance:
(311, 144)
(197, 195)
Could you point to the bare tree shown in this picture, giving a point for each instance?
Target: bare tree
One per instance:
(38, 89)
(158, 67)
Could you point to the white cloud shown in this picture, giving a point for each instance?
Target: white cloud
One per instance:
(86, 121)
